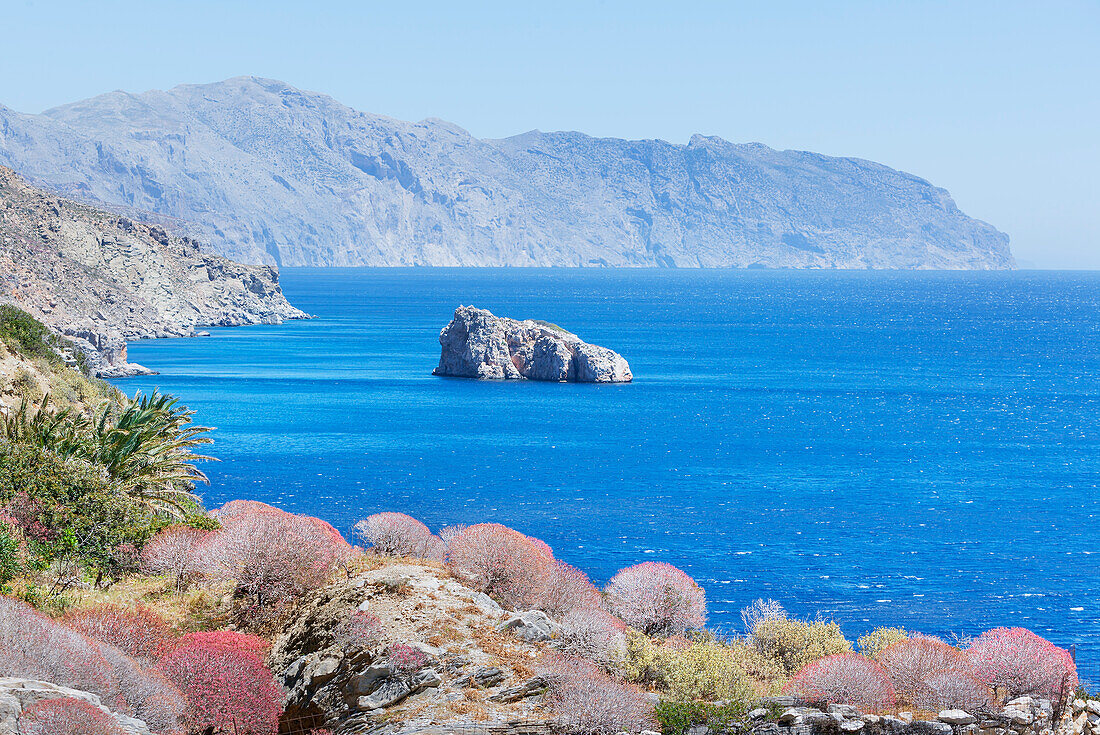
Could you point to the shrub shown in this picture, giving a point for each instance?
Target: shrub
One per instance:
(909, 663)
(703, 670)
(394, 534)
(1017, 662)
(28, 336)
(406, 659)
(872, 643)
(67, 716)
(594, 634)
(565, 589)
(358, 630)
(501, 562)
(138, 632)
(173, 552)
(792, 644)
(11, 553)
(641, 663)
(761, 610)
(953, 689)
(229, 640)
(678, 718)
(585, 699)
(272, 556)
(844, 678)
(228, 689)
(34, 647)
(657, 599)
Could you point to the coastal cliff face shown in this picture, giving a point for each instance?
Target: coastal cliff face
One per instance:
(269, 173)
(477, 344)
(101, 279)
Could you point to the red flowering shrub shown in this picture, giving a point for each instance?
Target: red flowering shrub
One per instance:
(173, 552)
(594, 634)
(272, 556)
(228, 640)
(228, 688)
(406, 659)
(358, 629)
(541, 546)
(656, 598)
(953, 689)
(909, 664)
(394, 534)
(567, 588)
(67, 716)
(500, 562)
(34, 647)
(137, 632)
(1017, 662)
(585, 699)
(844, 678)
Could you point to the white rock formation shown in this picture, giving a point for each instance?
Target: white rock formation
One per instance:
(477, 344)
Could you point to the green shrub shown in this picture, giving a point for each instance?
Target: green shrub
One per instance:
(703, 670)
(879, 638)
(11, 562)
(676, 718)
(792, 644)
(641, 660)
(28, 336)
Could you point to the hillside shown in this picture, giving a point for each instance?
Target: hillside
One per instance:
(101, 279)
(269, 173)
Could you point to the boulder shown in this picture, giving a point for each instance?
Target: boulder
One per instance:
(957, 717)
(477, 344)
(531, 626)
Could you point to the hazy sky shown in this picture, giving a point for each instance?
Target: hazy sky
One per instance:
(998, 102)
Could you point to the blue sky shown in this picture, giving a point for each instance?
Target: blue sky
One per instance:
(998, 102)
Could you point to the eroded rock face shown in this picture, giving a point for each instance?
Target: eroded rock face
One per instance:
(478, 344)
(101, 279)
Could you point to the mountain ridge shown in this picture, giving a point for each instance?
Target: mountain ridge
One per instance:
(267, 172)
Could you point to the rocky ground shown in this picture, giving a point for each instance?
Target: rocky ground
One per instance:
(101, 279)
(477, 344)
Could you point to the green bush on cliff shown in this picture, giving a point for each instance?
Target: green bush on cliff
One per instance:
(28, 336)
(792, 644)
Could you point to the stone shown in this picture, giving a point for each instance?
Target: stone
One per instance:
(425, 679)
(533, 686)
(365, 680)
(324, 671)
(957, 717)
(1019, 716)
(478, 344)
(10, 709)
(532, 626)
(843, 710)
(907, 717)
(852, 725)
(388, 694)
(1093, 706)
(796, 715)
(758, 714)
(484, 677)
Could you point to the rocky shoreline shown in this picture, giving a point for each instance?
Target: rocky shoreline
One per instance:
(100, 279)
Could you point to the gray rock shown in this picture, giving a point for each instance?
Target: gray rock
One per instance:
(10, 709)
(280, 175)
(1093, 706)
(388, 694)
(758, 714)
(484, 677)
(852, 725)
(533, 686)
(477, 344)
(957, 717)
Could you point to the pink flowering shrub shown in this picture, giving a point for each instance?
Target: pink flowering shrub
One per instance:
(910, 662)
(228, 687)
(358, 630)
(406, 659)
(501, 562)
(1016, 662)
(844, 678)
(594, 634)
(656, 598)
(395, 534)
(138, 632)
(229, 640)
(585, 699)
(173, 552)
(566, 588)
(34, 647)
(67, 716)
(953, 689)
(272, 556)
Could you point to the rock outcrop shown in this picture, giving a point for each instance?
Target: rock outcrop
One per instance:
(101, 279)
(440, 667)
(18, 694)
(477, 344)
(269, 173)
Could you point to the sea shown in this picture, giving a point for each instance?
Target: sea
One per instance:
(915, 449)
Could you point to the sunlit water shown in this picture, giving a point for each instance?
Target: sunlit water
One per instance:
(906, 449)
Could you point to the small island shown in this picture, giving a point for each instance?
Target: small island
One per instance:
(477, 344)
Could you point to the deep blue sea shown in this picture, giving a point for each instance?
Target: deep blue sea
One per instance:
(915, 449)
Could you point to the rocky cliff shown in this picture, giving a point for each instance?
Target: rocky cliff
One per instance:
(101, 279)
(477, 344)
(269, 173)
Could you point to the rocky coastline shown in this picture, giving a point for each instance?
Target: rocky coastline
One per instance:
(101, 279)
(478, 344)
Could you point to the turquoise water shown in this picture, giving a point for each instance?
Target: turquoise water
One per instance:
(906, 449)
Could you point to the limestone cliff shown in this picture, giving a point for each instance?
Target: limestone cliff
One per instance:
(101, 279)
(477, 344)
(270, 173)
